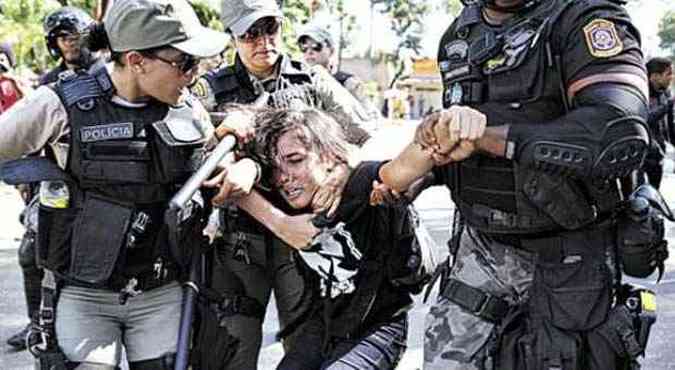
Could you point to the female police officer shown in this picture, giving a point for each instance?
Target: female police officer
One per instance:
(134, 136)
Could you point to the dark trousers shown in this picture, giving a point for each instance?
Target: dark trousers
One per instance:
(255, 265)
(380, 348)
(32, 274)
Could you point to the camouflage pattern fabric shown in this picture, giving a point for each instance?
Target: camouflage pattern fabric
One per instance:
(455, 338)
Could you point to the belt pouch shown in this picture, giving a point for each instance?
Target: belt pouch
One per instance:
(97, 239)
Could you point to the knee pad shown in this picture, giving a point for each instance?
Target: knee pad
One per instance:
(27, 251)
(166, 362)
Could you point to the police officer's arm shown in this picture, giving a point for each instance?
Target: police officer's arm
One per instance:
(334, 98)
(35, 121)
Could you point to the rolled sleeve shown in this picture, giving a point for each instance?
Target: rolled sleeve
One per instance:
(38, 120)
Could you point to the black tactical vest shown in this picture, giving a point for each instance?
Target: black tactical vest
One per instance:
(232, 84)
(126, 164)
(512, 75)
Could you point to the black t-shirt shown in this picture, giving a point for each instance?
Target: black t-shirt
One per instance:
(347, 258)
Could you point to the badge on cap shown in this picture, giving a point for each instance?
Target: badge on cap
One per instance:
(602, 39)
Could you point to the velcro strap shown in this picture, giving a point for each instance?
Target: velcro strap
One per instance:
(482, 304)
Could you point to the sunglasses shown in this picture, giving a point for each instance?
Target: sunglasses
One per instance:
(265, 27)
(185, 64)
(315, 47)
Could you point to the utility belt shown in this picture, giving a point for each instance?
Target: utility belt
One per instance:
(133, 286)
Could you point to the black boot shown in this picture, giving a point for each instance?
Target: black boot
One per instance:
(18, 340)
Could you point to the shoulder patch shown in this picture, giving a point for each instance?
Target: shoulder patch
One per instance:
(201, 89)
(602, 40)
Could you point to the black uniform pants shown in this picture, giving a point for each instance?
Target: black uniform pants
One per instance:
(254, 265)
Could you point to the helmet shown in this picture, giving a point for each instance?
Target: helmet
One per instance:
(525, 5)
(68, 18)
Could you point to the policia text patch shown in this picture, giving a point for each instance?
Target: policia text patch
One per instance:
(112, 131)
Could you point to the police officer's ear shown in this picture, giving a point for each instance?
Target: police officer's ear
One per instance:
(134, 60)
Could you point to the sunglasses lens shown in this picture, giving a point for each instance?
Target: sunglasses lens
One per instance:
(189, 63)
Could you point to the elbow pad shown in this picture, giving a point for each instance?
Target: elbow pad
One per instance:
(616, 148)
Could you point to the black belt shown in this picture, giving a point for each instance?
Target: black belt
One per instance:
(478, 302)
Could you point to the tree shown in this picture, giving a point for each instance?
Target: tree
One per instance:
(21, 26)
(297, 13)
(407, 22)
(667, 31)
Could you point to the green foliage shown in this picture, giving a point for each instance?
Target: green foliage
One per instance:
(208, 16)
(407, 22)
(21, 26)
(667, 31)
(453, 7)
(296, 14)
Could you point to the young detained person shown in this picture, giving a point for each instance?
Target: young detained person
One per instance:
(118, 285)
(359, 317)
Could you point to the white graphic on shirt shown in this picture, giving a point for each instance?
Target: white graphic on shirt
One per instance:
(335, 258)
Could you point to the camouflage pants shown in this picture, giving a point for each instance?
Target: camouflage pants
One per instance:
(456, 339)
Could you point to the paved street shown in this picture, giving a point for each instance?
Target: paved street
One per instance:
(435, 211)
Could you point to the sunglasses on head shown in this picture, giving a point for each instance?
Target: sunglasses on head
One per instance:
(268, 26)
(315, 47)
(185, 64)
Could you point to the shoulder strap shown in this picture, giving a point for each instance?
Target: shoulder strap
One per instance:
(73, 87)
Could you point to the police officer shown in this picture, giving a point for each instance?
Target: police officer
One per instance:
(136, 135)
(545, 108)
(318, 48)
(63, 28)
(662, 127)
(251, 263)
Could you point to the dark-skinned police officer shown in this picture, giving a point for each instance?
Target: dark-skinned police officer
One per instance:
(135, 135)
(63, 28)
(545, 107)
(251, 262)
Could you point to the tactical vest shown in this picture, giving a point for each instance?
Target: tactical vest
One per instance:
(126, 163)
(342, 77)
(232, 84)
(513, 76)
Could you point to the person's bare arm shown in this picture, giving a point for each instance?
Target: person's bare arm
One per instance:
(296, 231)
(411, 164)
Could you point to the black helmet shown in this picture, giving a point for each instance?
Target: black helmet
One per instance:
(69, 19)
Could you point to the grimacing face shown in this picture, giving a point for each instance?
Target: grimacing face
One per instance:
(299, 170)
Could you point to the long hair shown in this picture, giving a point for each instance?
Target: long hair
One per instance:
(320, 132)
